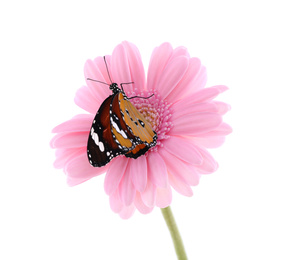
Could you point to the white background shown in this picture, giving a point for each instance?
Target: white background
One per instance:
(235, 213)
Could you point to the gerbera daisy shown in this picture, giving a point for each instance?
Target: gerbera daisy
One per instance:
(182, 112)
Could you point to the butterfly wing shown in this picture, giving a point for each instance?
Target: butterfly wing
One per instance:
(138, 126)
(118, 128)
(136, 123)
(139, 150)
(101, 147)
(125, 140)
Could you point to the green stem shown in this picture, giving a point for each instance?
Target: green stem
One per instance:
(175, 235)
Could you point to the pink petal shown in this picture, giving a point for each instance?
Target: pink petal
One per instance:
(197, 123)
(179, 51)
(79, 169)
(93, 70)
(209, 165)
(114, 174)
(81, 123)
(85, 100)
(159, 59)
(180, 186)
(157, 172)
(115, 202)
(149, 194)
(181, 109)
(127, 212)
(221, 130)
(138, 172)
(208, 141)
(120, 67)
(194, 79)
(204, 95)
(63, 156)
(180, 169)
(163, 197)
(222, 107)
(199, 81)
(183, 149)
(139, 204)
(70, 140)
(171, 75)
(75, 181)
(126, 189)
(136, 66)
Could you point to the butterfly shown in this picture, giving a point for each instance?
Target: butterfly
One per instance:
(118, 128)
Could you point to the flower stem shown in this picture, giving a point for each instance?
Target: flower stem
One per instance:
(175, 235)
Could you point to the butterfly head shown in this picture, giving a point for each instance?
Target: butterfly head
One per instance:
(114, 87)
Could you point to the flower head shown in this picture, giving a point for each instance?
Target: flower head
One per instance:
(182, 112)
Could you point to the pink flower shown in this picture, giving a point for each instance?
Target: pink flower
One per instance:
(184, 114)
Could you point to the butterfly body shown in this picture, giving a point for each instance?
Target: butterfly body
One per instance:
(118, 128)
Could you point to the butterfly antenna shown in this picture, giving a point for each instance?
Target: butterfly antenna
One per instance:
(98, 81)
(107, 69)
(125, 84)
(141, 97)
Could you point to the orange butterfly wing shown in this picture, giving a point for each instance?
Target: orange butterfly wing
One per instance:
(138, 125)
(122, 136)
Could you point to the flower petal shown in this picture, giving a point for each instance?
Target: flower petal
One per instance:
(181, 109)
(85, 100)
(126, 189)
(178, 168)
(80, 123)
(193, 80)
(171, 75)
(157, 172)
(127, 212)
(209, 164)
(159, 59)
(138, 172)
(136, 65)
(79, 170)
(70, 140)
(114, 174)
(64, 155)
(139, 204)
(204, 95)
(197, 123)
(222, 107)
(221, 130)
(163, 197)
(197, 78)
(180, 51)
(180, 186)
(208, 141)
(183, 149)
(115, 202)
(149, 194)
(120, 67)
(96, 70)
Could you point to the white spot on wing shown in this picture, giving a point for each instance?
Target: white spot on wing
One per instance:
(101, 147)
(118, 130)
(95, 137)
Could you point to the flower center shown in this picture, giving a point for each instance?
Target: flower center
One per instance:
(156, 111)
